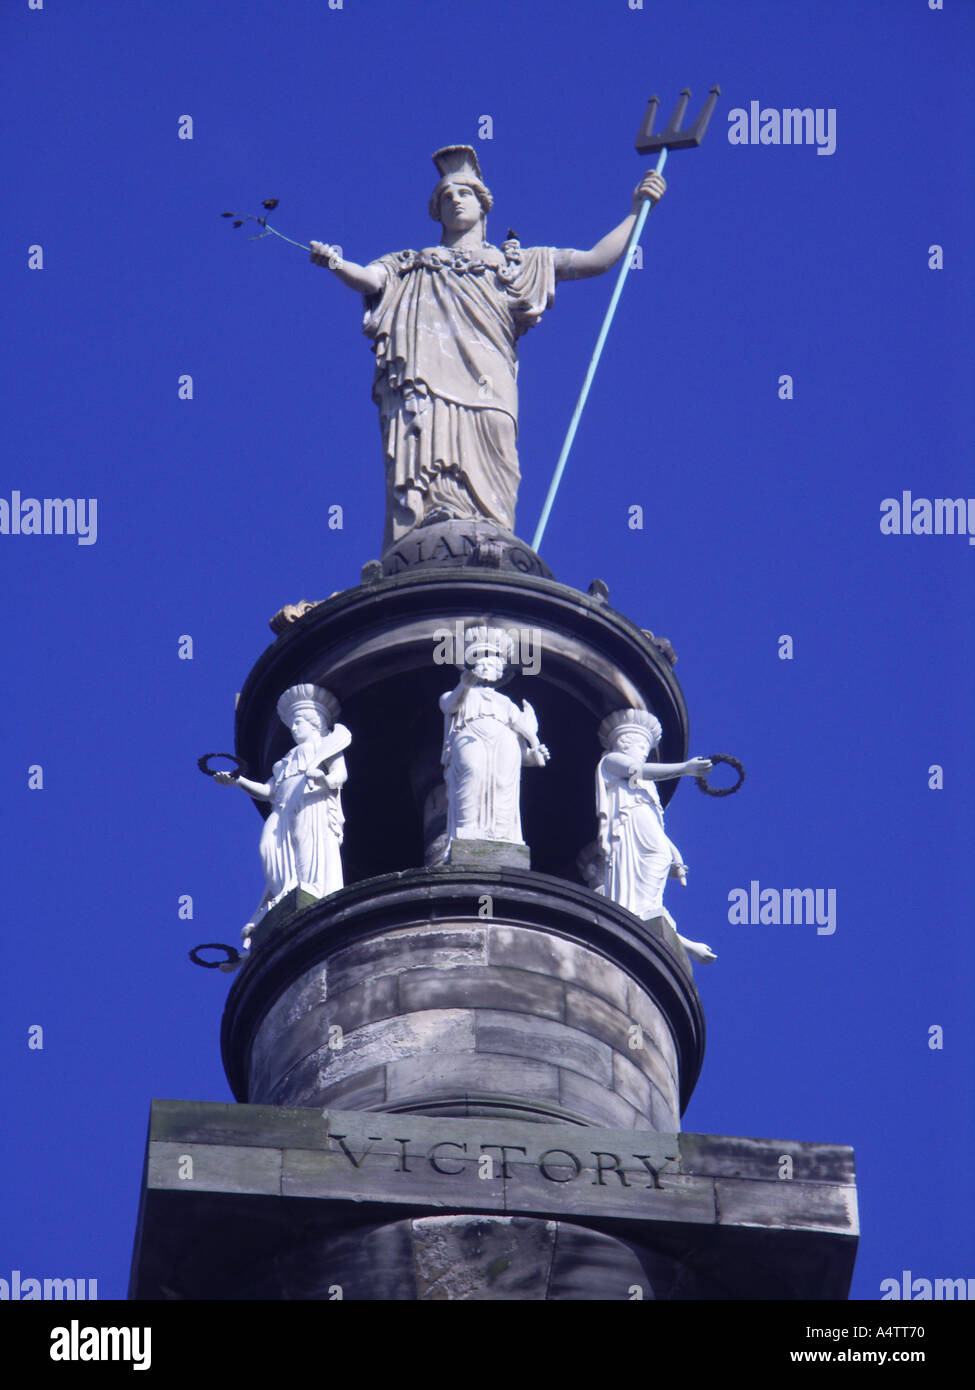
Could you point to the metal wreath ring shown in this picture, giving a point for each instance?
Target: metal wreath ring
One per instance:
(204, 765)
(233, 955)
(722, 791)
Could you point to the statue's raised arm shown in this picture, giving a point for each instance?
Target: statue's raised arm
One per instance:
(581, 265)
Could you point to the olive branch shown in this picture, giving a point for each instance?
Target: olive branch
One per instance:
(270, 204)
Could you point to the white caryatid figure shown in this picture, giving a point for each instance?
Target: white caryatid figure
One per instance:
(300, 843)
(487, 741)
(636, 857)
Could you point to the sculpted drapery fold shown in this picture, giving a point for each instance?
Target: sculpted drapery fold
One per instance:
(482, 757)
(640, 853)
(445, 327)
(301, 837)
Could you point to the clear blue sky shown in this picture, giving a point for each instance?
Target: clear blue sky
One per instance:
(762, 519)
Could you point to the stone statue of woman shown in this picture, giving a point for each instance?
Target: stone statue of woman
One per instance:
(445, 323)
(636, 857)
(301, 837)
(487, 741)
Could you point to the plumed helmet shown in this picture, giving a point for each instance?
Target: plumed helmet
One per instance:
(459, 162)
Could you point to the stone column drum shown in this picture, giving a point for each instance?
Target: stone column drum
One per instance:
(445, 993)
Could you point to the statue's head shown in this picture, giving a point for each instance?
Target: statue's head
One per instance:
(487, 651)
(630, 731)
(461, 199)
(307, 710)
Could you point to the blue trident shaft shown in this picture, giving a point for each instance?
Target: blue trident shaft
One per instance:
(671, 137)
(635, 235)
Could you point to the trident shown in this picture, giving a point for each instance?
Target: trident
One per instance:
(671, 138)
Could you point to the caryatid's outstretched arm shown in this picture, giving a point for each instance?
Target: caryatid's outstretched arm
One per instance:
(580, 265)
(620, 765)
(260, 791)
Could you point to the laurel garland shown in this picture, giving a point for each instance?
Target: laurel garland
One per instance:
(722, 791)
(236, 772)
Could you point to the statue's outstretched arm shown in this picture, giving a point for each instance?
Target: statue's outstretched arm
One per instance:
(580, 265)
(260, 791)
(363, 279)
(694, 767)
(622, 766)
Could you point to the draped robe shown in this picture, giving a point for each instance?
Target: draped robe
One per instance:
(302, 835)
(445, 327)
(483, 754)
(640, 853)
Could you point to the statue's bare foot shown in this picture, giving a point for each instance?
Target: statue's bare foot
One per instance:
(697, 950)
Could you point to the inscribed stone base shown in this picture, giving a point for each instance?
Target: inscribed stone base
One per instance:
(302, 1204)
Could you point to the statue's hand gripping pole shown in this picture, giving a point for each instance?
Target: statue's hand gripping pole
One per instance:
(671, 138)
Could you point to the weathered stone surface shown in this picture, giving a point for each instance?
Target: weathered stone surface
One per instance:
(478, 1259)
(280, 918)
(437, 1076)
(367, 1263)
(787, 1204)
(281, 1044)
(722, 1156)
(280, 1219)
(663, 1113)
(632, 1084)
(593, 1265)
(642, 1010)
(520, 1036)
(344, 990)
(434, 1031)
(485, 987)
(367, 1002)
(431, 945)
(428, 1034)
(594, 1016)
(304, 995)
(364, 1091)
(467, 1259)
(488, 854)
(553, 956)
(598, 1104)
(214, 1168)
(299, 1086)
(183, 1122)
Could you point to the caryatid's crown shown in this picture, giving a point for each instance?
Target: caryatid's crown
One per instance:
(640, 719)
(300, 699)
(488, 641)
(458, 161)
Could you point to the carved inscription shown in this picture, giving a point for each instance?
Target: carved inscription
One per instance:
(451, 1157)
(454, 549)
